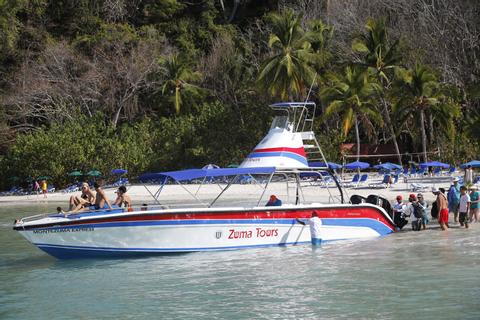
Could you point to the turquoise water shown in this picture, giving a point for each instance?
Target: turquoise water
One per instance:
(429, 275)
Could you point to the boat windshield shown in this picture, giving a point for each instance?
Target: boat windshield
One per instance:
(280, 122)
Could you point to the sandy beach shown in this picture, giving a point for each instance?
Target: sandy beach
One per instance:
(175, 194)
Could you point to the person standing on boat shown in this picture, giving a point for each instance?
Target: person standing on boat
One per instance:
(442, 204)
(315, 225)
(274, 202)
(453, 198)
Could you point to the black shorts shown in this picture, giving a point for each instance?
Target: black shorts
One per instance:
(463, 217)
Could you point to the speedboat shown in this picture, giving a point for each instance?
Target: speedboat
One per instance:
(230, 219)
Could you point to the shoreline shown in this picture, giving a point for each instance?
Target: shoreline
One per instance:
(176, 193)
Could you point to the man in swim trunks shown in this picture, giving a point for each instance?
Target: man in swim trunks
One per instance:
(101, 200)
(442, 205)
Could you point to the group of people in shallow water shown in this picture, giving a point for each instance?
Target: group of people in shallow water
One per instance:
(462, 202)
(90, 200)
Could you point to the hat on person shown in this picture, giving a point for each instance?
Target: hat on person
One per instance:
(435, 190)
(473, 187)
(412, 196)
(456, 179)
(399, 197)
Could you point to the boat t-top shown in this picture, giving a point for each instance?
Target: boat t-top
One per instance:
(233, 211)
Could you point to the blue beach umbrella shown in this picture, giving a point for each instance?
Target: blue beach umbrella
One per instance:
(473, 164)
(434, 164)
(331, 165)
(388, 166)
(119, 171)
(356, 165)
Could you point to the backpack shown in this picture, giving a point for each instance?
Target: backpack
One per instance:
(434, 210)
(417, 210)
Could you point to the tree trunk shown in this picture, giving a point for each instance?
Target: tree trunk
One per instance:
(430, 126)
(357, 136)
(392, 131)
(424, 135)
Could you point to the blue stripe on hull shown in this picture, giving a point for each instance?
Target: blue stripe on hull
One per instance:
(72, 252)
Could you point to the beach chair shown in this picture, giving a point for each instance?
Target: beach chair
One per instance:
(395, 178)
(418, 187)
(422, 171)
(451, 170)
(383, 184)
(362, 181)
(437, 171)
(413, 172)
(352, 183)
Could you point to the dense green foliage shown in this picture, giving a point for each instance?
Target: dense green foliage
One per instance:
(170, 84)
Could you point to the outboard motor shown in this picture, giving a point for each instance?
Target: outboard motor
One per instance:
(357, 199)
(399, 221)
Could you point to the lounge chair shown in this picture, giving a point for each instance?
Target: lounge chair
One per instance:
(362, 181)
(383, 184)
(437, 171)
(418, 187)
(451, 170)
(422, 171)
(352, 183)
(413, 172)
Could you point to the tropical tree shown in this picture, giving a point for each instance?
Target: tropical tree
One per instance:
(381, 57)
(350, 95)
(288, 72)
(423, 96)
(320, 36)
(178, 77)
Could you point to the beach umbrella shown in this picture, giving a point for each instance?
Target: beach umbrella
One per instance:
(331, 165)
(211, 166)
(434, 164)
(388, 166)
(119, 171)
(356, 165)
(473, 164)
(75, 174)
(94, 173)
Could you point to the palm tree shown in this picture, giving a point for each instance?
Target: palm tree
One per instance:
(381, 58)
(320, 35)
(287, 72)
(349, 94)
(424, 96)
(177, 76)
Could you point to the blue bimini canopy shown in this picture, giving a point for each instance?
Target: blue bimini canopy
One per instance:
(356, 165)
(434, 164)
(388, 166)
(331, 165)
(473, 164)
(191, 174)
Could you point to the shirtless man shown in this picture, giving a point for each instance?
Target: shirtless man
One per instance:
(82, 203)
(123, 198)
(101, 200)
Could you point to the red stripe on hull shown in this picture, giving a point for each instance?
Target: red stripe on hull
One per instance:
(273, 213)
(300, 151)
